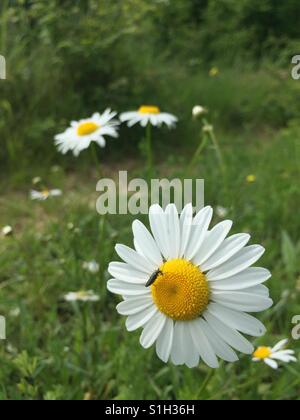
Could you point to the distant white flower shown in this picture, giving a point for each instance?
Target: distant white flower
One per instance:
(198, 111)
(82, 133)
(36, 180)
(91, 266)
(82, 296)
(7, 230)
(149, 115)
(2, 328)
(270, 356)
(221, 212)
(44, 195)
(15, 312)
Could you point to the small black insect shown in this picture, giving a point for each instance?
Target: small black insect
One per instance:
(153, 278)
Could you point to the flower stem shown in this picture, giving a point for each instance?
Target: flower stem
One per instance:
(95, 156)
(206, 381)
(197, 154)
(149, 150)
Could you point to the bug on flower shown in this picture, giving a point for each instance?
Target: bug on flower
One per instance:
(153, 278)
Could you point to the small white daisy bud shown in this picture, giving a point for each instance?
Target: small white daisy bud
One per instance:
(7, 231)
(91, 266)
(208, 128)
(198, 111)
(222, 212)
(36, 180)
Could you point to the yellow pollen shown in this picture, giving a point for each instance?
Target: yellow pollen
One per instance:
(145, 109)
(263, 353)
(87, 128)
(181, 292)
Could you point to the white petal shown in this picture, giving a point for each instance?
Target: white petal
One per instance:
(239, 321)
(228, 249)
(134, 305)
(152, 330)
(250, 277)
(191, 352)
(245, 302)
(260, 290)
(271, 363)
(212, 242)
(202, 344)
(165, 341)
(219, 346)
(229, 335)
(159, 229)
(136, 321)
(199, 230)
(135, 260)
(177, 352)
(125, 289)
(283, 358)
(124, 272)
(127, 116)
(280, 345)
(242, 260)
(186, 220)
(173, 231)
(145, 120)
(184, 350)
(146, 243)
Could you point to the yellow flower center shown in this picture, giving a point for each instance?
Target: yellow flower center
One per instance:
(145, 109)
(46, 193)
(81, 294)
(181, 291)
(86, 128)
(262, 353)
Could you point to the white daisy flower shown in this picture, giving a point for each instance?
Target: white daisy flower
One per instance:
(82, 296)
(190, 288)
(7, 231)
(91, 266)
(221, 212)
(82, 133)
(149, 115)
(44, 195)
(271, 356)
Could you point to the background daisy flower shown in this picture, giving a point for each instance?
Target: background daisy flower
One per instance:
(7, 230)
(92, 266)
(270, 356)
(190, 287)
(149, 115)
(45, 194)
(82, 133)
(82, 296)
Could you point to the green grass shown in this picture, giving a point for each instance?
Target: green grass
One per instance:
(55, 350)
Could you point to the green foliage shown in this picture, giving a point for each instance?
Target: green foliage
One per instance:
(67, 59)
(55, 350)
